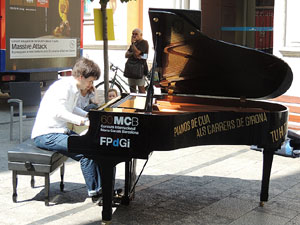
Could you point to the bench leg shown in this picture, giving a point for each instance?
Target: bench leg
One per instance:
(15, 183)
(47, 189)
(32, 181)
(62, 173)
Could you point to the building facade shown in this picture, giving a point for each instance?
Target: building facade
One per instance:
(266, 25)
(287, 38)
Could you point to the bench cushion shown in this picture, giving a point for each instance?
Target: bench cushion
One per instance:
(38, 160)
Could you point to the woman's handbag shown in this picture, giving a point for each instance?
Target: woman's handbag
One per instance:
(134, 69)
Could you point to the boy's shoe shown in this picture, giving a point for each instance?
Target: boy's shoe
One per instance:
(96, 198)
(114, 203)
(116, 199)
(117, 192)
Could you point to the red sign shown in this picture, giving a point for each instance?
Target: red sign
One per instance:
(42, 3)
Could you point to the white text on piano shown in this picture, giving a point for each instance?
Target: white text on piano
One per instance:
(118, 142)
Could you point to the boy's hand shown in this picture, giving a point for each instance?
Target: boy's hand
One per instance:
(92, 89)
(85, 122)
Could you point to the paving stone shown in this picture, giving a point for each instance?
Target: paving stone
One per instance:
(260, 218)
(229, 207)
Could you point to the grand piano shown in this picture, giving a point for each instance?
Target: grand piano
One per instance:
(212, 93)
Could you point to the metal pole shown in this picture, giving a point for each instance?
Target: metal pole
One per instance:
(11, 122)
(21, 121)
(103, 4)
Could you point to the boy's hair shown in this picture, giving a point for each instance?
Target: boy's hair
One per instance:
(86, 68)
(113, 90)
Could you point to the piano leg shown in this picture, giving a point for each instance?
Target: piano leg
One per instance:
(130, 178)
(267, 166)
(107, 170)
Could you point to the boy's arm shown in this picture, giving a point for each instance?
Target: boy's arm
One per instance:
(65, 111)
(80, 112)
(71, 117)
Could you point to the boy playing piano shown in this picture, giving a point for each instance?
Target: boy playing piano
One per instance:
(57, 109)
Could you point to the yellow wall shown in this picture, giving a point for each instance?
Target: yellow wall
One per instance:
(134, 17)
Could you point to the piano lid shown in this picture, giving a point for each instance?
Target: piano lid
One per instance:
(192, 63)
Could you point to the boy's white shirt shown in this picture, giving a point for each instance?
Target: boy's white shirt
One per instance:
(58, 107)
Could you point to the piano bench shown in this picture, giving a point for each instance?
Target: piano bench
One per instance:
(27, 159)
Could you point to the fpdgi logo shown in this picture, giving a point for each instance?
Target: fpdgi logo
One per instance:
(118, 142)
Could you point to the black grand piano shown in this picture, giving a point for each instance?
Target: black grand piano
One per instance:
(212, 93)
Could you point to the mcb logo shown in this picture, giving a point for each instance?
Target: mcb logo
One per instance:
(120, 120)
(119, 142)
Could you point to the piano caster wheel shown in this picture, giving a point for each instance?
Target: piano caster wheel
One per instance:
(14, 198)
(261, 204)
(104, 222)
(62, 186)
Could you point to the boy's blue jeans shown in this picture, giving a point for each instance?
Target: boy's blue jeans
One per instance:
(59, 142)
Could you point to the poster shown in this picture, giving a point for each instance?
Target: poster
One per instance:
(42, 34)
(98, 24)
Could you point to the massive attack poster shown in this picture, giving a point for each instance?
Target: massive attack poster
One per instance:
(42, 34)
